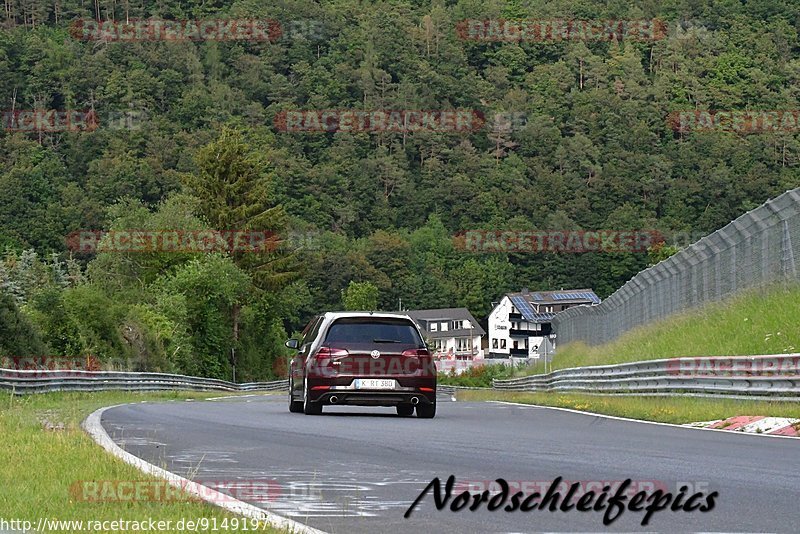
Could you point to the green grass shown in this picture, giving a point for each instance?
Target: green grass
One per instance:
(662, 409)
(480, 377)
(752, 323)
(39, 465)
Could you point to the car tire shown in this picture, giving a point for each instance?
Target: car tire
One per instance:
(294, 406)
(405, 410)
(310, 408)
(426, 411)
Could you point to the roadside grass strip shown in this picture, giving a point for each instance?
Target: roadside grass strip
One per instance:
(46, 452)
(714, 413)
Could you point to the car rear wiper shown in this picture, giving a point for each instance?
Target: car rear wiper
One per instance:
(379, 340)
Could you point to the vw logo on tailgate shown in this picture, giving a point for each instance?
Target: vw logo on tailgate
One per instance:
(375, 354)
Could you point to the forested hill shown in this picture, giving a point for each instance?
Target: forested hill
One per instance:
(577, 135)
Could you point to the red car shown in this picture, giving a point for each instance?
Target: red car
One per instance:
(362, 359)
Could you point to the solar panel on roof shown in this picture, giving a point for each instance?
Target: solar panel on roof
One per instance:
(576, 296)
(528, 312)
(524, 307)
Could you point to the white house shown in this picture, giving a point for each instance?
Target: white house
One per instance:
(519, 325)
(452, 333)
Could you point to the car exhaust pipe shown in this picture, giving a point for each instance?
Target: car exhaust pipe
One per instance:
(334, 399)
(414, 400)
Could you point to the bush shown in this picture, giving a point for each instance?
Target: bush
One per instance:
(18, 337)
(477, 377)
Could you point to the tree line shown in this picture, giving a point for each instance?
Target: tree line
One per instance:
(577, 137)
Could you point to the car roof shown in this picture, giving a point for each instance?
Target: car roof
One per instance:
(366, 314)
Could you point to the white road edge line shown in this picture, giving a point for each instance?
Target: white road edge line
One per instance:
(234, 397)
(93, 427)
(643, 421)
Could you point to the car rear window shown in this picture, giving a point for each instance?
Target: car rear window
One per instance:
(371, 331)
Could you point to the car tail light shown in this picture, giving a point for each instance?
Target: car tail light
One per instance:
(324, 362)
(416, 352)
(329, 353)
(420, 359)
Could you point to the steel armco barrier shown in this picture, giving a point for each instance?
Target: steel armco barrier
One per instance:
(45, 381)
(754, 377)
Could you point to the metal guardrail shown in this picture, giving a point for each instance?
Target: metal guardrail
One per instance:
(45, 381)
(756, 377)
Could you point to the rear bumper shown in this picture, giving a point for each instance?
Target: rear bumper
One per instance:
(422, 388)
(374, 398)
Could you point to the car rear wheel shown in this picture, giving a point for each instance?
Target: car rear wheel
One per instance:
(294, 406)
(310, 408)
(426, 411)
(405, 410)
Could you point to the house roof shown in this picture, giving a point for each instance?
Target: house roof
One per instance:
(447, 314)
(528, 302)
(560, 296)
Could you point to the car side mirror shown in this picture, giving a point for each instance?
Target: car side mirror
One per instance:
(292, 344)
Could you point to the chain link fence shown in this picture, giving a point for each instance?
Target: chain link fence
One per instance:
(754, 250)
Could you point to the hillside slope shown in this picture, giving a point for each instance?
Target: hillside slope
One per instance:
(755, 322)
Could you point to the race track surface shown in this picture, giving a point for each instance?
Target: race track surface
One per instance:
(355, 470)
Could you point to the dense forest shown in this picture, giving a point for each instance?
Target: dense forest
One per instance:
(577, 136)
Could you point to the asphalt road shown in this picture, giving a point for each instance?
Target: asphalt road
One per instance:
(357, 470)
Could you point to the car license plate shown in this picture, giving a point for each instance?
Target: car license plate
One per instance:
(373, 383)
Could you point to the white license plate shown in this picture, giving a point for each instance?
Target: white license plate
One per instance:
(373, 383)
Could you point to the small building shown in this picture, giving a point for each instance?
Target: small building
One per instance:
(520, 324)
(451, 333)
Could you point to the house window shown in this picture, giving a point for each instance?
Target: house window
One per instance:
(444, 327)
(515, 345)
(502, 343)
(434, 327)
(494, 343)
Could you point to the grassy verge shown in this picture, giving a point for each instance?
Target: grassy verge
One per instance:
(755, 322)
(480, 377)
(661, 409)
(39, 465)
